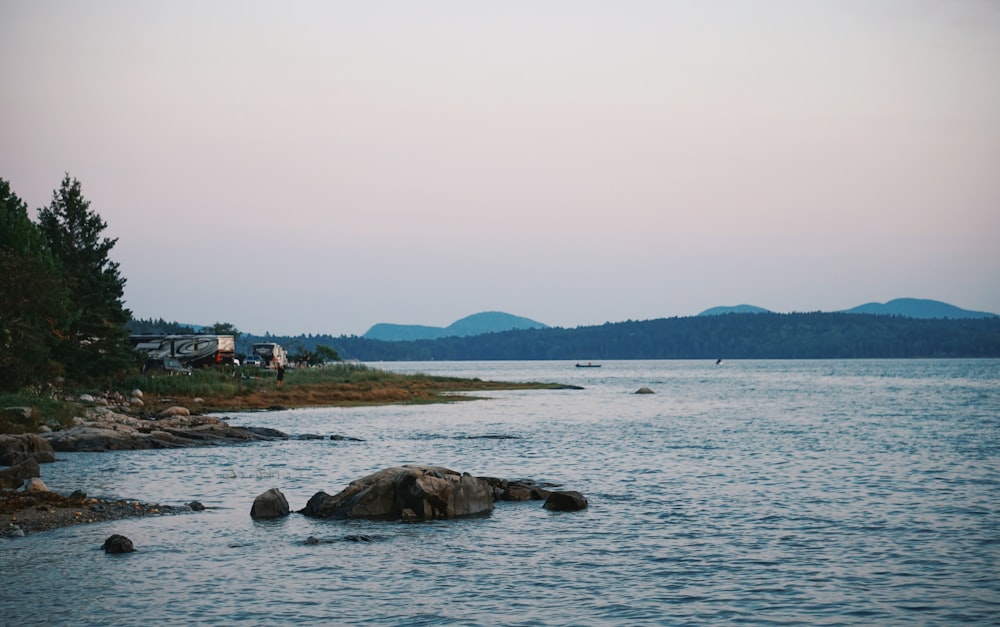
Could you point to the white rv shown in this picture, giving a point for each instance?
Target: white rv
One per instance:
(273, 354)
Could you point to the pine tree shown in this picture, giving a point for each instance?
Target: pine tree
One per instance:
(33, 300)
(95, 346)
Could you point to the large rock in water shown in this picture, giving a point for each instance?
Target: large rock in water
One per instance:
(15, 476)
(270, 504)
(406, 492)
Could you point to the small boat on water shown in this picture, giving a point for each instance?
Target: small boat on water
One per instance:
(589, 364)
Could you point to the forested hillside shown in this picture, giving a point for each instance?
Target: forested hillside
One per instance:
(730, 336)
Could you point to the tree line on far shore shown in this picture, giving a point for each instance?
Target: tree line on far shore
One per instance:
(731, 336)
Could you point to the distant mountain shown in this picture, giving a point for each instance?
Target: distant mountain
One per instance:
(918, 308)
(476, 324)
(740, 309)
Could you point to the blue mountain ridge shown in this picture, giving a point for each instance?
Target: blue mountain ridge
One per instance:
(740, 309)
(906, 307)
(476, 324)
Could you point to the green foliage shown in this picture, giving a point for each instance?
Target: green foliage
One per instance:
(34, 304)
(45, 409)
(158, 326)
(326, 353)
(315, 356)
(222, 328)
(201, 382)
(95, 344)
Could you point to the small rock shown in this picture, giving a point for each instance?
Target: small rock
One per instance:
(644, 390)
(35, 484)
(86, 398)
(44, 429)
(176, 410)
(118, 544)
(312, 540)
(197, 399)
(136, 393)
(13, 531)
(135, 401)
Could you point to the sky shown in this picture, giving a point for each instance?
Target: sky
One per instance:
(315, 166)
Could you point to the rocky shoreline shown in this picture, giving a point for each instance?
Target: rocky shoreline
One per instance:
(22, 513)
(26, 504)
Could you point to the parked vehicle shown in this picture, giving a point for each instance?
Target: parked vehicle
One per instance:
(170, 365)
(254, 361)
(271, 353)
(191, 350)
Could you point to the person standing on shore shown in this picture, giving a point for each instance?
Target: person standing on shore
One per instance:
(281, 374)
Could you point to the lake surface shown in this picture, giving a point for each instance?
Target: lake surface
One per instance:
(761, 492)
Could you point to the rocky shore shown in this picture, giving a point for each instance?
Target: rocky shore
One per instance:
(30, 512)
(103, 429)
(26, 504)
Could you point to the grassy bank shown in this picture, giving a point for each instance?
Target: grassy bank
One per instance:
(234, 389)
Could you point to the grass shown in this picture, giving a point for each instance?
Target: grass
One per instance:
(233, 389)
(44, 410)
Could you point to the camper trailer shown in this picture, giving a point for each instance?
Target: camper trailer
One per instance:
(272, 354)
(190, 350)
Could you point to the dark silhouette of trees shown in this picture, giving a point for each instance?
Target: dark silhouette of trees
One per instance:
(94, 342)
(34, 302)
(729, 336)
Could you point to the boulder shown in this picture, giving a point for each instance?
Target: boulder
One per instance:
(407, 492)
(270, 504)
(176, 410)
(565, 501)
(35, 484)
(15, 476)
(136, 393)
(117, 544)
(644, 390)
(16, 448)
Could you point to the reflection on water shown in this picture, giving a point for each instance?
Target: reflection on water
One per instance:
(841, 492)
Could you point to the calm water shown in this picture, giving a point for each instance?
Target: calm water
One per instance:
(765, 492)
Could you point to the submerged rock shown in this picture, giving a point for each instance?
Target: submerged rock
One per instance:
(407, 492)
(117, 544)
(565, 501)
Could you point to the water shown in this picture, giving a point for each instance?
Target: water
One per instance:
(762, 492)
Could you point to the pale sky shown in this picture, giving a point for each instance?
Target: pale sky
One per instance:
(321, 166)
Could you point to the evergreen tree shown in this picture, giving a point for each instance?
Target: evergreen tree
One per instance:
(33, 302)
(95, 346)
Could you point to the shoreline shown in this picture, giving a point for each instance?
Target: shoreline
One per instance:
(185, 421)
(23, 513)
